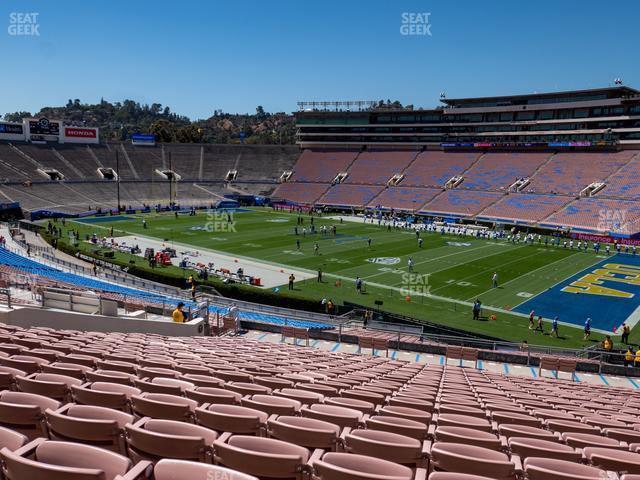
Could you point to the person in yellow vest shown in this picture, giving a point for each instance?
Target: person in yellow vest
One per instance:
(629, 357)
(178, 314)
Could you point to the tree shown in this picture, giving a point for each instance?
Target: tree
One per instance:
(16, 116)
(164, 130)
(189, 134)
(260, 112)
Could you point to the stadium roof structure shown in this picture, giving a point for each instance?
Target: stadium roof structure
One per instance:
(606, 92)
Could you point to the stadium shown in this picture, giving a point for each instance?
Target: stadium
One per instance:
(353, 290)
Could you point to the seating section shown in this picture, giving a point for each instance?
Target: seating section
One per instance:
(346, 195)
(569, 173)
(301, 192)
(463, 203)
(625, 183)
(376, 167)
(435, 168)
(13, 263)
(599, 215)
(497, 171)
(404, 198)
(525, 207)
(203, 170)
(84, 189)
(322, 165)
(131, 405)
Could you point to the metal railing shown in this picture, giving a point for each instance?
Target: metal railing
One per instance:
(593, 354)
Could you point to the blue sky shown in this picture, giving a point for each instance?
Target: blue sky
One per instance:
(198, 56)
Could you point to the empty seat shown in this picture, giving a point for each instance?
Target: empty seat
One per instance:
(468, 436)
(52, 460)
(564, 426)
(8, 377)
(99, 426)
(272, 405)
(263, 457)
(581, 440)
(170, 469)
(110, 376)
(387, 446)
(502, 417)
(11, 439)
(401, 426)
(306, 432)
(305, 397)
(152, 439)
(354, 403)
(509, 430)
(26, 363)
(537, 468)
(345, 466)
(534, 447)
(200, 380)
(456, 476)
(406, 412)
(247, 388)
(170, 386)
(160, 405)
(615, 460)
(213, 395)
(460, 458)
(105, 394)
(49, 385)
(341, 416)
(466, 421)
(24, 412)
(231, 418)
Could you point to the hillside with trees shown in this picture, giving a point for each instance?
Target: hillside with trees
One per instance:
(119, 120)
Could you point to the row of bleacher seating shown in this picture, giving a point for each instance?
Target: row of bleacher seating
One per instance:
(125, 404)
(549, 196)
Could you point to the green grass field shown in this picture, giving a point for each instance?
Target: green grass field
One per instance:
(446, 277)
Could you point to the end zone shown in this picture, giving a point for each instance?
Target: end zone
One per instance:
(608, 292)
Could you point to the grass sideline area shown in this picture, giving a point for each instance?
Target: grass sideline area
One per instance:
(449, 271)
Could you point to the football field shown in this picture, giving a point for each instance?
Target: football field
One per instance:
(449, 272)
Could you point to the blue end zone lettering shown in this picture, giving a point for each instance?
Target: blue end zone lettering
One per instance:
(608, 292)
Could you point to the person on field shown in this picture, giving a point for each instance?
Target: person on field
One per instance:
(626, 330)
(531, 320)
(477, 305)
(540, 326)
(494, 279)
(554, 327)
(587, 329)
(410, 264)
(292, 279)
